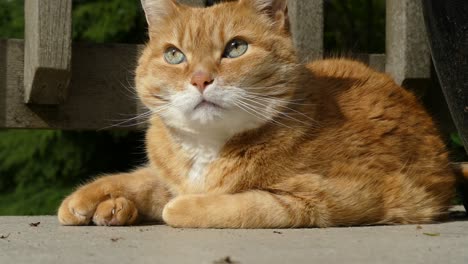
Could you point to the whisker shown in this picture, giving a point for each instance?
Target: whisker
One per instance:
(284, 106)
(247, 111)
(144, 116)
(285, 115)
(128, 90)
(273, 97)
(256, 114)
(124, 123)
(269, 119)
(293, 102)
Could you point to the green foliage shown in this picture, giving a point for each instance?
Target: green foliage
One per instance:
(93, 20)
(44, 158)
(456, 139)
(40, 166)
(456, 148)
(11, 19)
(108, 21)
(33, 201)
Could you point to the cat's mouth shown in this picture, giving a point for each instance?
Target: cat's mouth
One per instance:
(207, 104)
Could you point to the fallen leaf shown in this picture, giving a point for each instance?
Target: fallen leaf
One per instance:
(4, 237)
(419, 227)
(35, 224)
(278, 232)
(432, 234)
(115, 239)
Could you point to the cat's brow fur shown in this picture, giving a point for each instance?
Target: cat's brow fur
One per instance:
(330, 143)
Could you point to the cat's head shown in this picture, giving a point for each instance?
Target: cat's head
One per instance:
(225, 67)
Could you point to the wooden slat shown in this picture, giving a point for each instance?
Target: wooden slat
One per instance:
(408, 55)
(99, 93)
(307, 25)
(48, 50)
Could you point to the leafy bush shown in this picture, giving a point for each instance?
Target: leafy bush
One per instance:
(108, 21)
(57, 158)
(41, 166)
(11, 19)
(33, 201)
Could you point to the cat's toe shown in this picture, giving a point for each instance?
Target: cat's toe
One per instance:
(116, 212)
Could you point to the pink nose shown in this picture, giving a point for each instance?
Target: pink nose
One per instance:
(201, 80)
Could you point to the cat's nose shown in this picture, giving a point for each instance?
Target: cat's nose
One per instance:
(201, 80)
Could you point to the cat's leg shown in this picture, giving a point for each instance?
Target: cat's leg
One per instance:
(120, 199)
(301, 205)
(252, 209)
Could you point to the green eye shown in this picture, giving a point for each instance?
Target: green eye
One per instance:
(235, 48)
(174, 56)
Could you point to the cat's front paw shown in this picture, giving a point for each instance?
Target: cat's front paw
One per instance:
(81, 210)
(116, 212)
(184, 211)
(76, 210)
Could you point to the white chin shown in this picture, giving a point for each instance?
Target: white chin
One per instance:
(207, 114)
(211, 118)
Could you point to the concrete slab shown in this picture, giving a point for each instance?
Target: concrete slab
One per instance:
(51, 243)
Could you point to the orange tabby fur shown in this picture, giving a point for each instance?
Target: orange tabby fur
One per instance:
(344, 145)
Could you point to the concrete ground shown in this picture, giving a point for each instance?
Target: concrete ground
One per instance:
(48, 242)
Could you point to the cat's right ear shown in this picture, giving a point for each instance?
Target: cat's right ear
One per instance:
(157, 10)
(277, 10)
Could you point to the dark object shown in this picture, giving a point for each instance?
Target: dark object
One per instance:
(35, 224)
(226, 260)
(447, 26)
(4, 237)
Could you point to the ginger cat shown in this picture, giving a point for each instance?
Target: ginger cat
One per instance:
(244, 136)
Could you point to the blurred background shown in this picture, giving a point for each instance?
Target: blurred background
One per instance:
(39, 167)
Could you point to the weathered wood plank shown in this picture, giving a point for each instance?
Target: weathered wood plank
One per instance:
(47, 50)
(408, 55)
(99, 94)
(307, 25)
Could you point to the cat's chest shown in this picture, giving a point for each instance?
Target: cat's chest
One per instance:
(200, 155)
(200, 159)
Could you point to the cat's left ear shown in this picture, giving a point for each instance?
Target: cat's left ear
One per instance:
(157, 10)
(277, 10)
